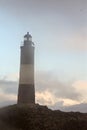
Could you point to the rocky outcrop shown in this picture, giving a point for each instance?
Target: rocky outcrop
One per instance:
(36, 117)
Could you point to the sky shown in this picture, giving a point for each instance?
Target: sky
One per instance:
(59, 31)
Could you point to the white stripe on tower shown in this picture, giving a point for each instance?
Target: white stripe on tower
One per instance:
(27, 74)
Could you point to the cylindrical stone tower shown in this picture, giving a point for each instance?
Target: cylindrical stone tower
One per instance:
(26, 92)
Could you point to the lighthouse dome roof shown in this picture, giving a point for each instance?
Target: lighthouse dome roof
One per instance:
(27, 35)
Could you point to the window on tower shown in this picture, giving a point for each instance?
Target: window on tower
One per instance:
(30, 38)
(25, 38)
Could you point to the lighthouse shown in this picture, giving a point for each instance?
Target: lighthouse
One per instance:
(26, 91)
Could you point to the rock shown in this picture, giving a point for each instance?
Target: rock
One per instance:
(37, 117)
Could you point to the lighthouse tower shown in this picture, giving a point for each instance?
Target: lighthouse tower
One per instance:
(26, 92)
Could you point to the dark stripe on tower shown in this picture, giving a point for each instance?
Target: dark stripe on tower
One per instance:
(25, 93)
(27, 54)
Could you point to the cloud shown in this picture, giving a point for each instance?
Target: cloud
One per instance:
(74, 41)
(5, 97)
(82, 107)
(9, 87)
(47, 81)
(49, 91)
(63, 18)
(8, 92)
(77, 41)
(48, 4)
(48, 98)
(81, 87)
(21, 9)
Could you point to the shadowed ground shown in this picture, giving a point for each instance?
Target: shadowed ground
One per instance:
(36, 117)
